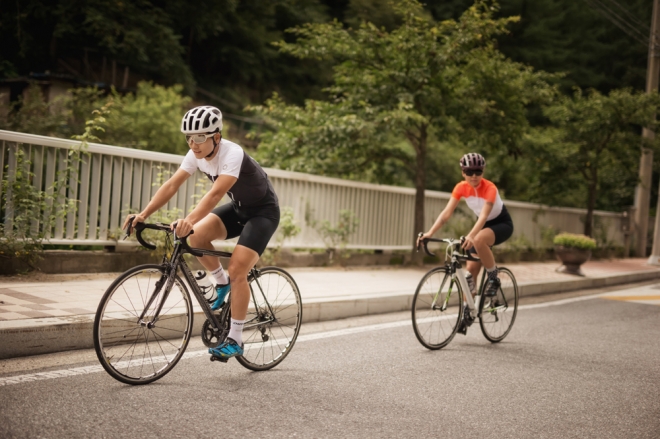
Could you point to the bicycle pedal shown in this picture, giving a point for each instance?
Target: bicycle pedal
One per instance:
(220, 359)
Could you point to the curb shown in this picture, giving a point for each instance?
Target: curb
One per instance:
(56, 334)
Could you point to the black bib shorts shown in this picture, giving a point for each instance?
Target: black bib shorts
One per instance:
(255, 224)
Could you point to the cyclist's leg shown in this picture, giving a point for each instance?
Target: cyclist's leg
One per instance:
(221, 223)
(482, 244)
(255, 236)
(500, 231)
(210, 228)
(242, 260)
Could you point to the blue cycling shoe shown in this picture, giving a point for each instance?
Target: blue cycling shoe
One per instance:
(221, 291)
(228, 349)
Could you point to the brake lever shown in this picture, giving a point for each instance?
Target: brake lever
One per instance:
(419, 235)
(129, 228)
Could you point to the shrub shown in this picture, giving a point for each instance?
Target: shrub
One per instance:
(574, 240)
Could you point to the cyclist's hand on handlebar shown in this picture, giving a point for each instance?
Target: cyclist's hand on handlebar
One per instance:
(421, 237)
(182, 227)
(131, 220)
(468, 242)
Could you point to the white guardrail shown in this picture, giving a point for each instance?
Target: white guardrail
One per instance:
(114, 180)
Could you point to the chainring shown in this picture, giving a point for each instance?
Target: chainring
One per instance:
(209, 338)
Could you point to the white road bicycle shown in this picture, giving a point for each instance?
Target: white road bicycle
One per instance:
(442, 303)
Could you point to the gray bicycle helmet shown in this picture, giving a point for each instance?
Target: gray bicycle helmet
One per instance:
(472, 160)
(202, 120)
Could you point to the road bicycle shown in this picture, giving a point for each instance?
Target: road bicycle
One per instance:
(145, 319)
(443, 305)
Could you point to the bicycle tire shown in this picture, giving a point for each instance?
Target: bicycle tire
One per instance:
(269, 336)
(497, 314)
(436, 308)
(133, 353)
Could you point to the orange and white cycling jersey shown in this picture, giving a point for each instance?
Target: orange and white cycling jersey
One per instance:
(476, 198)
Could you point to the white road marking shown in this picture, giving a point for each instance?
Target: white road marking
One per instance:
(20, 379)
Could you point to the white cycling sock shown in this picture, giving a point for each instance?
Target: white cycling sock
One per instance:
(236, 331)
(220, 276)
(492, 272)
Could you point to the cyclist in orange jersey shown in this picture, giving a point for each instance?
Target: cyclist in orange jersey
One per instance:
(493, 226)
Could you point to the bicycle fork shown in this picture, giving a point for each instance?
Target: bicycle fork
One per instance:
(167, 279)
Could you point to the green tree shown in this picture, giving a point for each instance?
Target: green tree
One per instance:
(149, 119)
(423, 80)
(594, 137)
(61, 117)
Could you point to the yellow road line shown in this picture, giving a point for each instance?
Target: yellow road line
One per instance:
(649, 297)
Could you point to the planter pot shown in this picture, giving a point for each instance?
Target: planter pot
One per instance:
(571, 259)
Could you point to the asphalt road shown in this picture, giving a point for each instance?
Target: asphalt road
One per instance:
(586, 367)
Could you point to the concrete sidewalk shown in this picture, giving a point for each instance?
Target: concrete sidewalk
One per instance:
(42, 314)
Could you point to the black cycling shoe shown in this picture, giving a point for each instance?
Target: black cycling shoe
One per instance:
(467, 317)
(466, 321)
(491, 287)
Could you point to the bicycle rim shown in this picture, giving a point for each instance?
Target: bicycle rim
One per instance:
(435, 309)
(498, 313)
(273, 322)
(138, 354)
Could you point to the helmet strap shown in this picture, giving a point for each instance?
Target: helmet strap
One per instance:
(215, 145)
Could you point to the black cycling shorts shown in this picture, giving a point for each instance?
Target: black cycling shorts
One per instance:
(502, 227)
(255, 225)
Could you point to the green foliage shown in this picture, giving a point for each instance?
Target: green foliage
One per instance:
(62, 117)
(30, 213)
(288, 227)
(575, 38)
(595, 138)
(21, 237)
(423, 81)
(573, 240)
(337, 236)
(148, 119)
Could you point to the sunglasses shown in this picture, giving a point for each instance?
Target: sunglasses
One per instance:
(471, 172)
(198, 138)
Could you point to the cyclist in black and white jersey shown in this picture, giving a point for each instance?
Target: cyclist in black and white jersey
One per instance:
(253, 214)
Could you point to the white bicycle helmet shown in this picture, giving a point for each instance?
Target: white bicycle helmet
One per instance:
(202, 120)
(472, 160)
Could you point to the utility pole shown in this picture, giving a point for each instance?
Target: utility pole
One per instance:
(643, 190)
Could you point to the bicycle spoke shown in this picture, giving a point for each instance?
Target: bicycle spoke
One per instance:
(270, 341)
(130, 352)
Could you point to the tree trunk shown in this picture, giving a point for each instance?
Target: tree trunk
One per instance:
(420, 186)
(591, 203)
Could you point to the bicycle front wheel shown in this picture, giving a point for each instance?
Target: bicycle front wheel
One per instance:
(140, 351)
(436, 310)
(273, 319)
(498, 313)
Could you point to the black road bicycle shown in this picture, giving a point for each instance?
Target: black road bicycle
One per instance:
(145, 318)
(438, 312)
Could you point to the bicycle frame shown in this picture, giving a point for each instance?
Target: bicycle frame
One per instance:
(177, 262)
(453, 262)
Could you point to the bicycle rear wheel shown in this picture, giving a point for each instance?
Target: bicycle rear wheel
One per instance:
(273, 319)
(498, 313)
(140, 353)
(435, 308)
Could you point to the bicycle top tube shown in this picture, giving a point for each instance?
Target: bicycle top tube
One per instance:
(140, 227)
(452, 243)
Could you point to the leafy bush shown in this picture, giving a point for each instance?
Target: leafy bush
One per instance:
(148, 119)
(574, 240)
